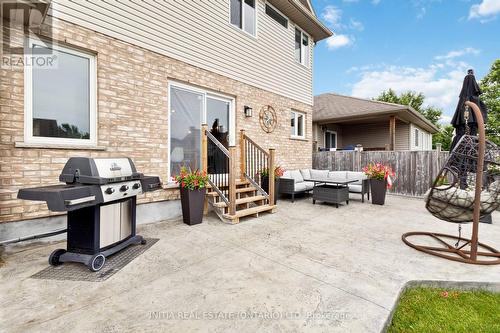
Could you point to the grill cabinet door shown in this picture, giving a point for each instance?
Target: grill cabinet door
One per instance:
(110, 224)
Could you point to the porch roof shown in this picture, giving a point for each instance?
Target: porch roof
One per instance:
(332, 107)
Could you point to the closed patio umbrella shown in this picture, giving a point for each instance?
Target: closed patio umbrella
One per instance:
(470, 92)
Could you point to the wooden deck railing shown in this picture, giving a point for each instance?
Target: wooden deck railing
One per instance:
(219, 164)
(253, 161)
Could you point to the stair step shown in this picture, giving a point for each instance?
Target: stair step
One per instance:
(238, 190)
(222, 204)
(249, 211)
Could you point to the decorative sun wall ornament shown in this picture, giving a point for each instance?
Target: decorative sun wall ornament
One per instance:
(267, 118)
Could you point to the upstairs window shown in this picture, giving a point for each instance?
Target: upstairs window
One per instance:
(243, 16)
(417, 134)
(301, 47)
(276, 15)
(297, 121)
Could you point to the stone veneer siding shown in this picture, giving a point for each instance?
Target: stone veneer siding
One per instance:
(132, 118)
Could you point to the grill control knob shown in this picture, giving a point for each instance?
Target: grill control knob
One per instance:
(136, 186)
(124, 188)
(110, 190)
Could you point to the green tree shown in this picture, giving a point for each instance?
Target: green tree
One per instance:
(490, 85)
(413, 99)
(444, 137)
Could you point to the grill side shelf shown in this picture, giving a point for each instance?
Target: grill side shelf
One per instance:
(61, 198)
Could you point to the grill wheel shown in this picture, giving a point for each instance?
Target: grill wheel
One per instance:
(96, 262)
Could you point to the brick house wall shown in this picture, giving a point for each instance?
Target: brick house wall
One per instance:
(132, 104)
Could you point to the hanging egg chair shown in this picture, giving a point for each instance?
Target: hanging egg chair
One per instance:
(466, 188)
(451, 198)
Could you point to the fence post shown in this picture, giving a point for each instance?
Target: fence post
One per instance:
(204, 159)
(242, 154)
(232, 180)
(271, 176)
(438, 148)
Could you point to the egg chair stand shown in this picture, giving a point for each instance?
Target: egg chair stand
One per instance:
(456, 248)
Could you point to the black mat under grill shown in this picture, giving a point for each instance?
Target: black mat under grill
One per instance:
(79, 272)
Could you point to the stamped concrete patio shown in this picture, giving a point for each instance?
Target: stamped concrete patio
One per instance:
(304, 268)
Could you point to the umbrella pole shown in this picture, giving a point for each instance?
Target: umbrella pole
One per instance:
(479, 178)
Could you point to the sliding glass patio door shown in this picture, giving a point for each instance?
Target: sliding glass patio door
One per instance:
(189, 109)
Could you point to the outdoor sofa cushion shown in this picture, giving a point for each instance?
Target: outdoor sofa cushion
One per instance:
(356, 175)
(306, 173)
(309, 185)
(337, 175)
(355, 188)
(319, 174)
(297, 176)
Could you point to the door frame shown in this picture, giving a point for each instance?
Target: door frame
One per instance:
(336, 138)
(206, 93)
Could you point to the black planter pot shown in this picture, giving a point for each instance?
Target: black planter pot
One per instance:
(379, 190)
(265, 186)
(192, 202)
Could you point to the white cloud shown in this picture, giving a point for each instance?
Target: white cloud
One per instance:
(332, 16)
(356, 25)
(375, 2)
(485, 9)
(458, 53)
(338, 41)
(440, 83)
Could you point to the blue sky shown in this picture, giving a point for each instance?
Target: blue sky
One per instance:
(419, 45)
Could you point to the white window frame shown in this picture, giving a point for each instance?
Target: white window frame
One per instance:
(336, 138)
(302, 60)
(279, 12)
(296, 119)
(205, 93)
(256, 2)
(28, 97)
(416, 137)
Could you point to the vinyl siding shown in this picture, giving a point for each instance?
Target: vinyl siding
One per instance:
(374, 135)
(424, 140)
(199, 33)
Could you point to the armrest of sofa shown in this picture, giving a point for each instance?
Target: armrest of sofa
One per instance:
(365, 185)
(287, 185)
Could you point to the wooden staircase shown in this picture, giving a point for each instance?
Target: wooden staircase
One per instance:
(234, 192)
(249, 202)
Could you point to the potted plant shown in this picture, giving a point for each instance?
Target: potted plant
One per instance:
(380, 176)
(193, 188)
(264, 180)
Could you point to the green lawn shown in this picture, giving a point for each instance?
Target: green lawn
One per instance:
(447, 310)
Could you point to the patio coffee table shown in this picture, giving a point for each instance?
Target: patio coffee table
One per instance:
(330, 190)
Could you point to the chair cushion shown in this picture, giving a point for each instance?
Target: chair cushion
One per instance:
(300, 187)
(337, 175)
(355, 188)
(287, 174)
(356, 175)
(309, 185)
(297, 176)
(319, 174)
(306, 173)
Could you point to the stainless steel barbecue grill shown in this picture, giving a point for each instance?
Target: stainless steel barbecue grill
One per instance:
(100, 198)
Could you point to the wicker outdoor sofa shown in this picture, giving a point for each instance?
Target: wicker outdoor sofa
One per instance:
(292, 182)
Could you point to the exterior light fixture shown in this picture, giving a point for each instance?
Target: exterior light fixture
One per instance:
(248, 111)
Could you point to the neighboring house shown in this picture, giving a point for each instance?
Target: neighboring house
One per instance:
(138, 78)
(342, 122)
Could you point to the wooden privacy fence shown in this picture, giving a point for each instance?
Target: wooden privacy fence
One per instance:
(415, 170)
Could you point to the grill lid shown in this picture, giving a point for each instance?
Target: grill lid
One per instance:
(86, 170)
